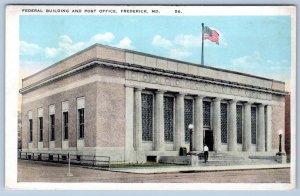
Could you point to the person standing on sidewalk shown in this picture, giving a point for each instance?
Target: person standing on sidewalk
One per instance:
(205, 149)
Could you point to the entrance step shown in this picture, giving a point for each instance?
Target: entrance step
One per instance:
(226, 159)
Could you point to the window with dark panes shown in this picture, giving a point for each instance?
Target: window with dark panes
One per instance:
(65, 125)
(188, 117)
(41, 128)
(52, 127)
(206, 113)
(147, 117)
(81, 122)
(30, 130)
(169, 118)
(253, 125)
(239, 123)
(224, 127)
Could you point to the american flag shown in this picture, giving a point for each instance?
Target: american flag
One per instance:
(211, 35)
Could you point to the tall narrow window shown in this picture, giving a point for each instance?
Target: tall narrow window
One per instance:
(65, 125)
(188, 117)
(253, 125)
(30, 130)
(41, 128)
(206, 114)
(169, 118)
(224, 123)
(81, 122)
(239, 123)
(52, 127)
(147, 117)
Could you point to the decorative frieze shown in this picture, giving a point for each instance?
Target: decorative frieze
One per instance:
(195, 85)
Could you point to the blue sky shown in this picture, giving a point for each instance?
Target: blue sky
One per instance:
(259, 45)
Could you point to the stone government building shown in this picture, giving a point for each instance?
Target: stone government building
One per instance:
(133, 106)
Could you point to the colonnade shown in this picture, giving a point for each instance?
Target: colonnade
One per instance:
(263, 129)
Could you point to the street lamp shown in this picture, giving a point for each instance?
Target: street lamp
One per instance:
(191, 127)
(280, 132)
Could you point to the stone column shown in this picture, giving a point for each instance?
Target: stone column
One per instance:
(159, 121)
(198, 124)
(138, 118)
(232, 132)
(129, 135)
(269, 128)
(179, 116)
(247, 127)
(217, 124)
(261, 128)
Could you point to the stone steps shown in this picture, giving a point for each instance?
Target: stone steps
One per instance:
(227, 159)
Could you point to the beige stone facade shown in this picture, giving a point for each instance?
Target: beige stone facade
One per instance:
(110, 84)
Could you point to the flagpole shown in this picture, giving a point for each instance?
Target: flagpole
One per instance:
(202, 52)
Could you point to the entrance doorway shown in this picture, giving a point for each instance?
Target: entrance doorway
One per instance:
(209, 139)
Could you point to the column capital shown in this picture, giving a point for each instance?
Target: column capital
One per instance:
(200, 96)
(159, 91)
(180, 94)
(249, 103)
(137, 88)
(233, 101)
(217, 99)
(261, 105)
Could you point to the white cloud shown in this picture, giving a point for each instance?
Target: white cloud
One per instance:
(188, 41)
(252, 60)
(158, 40)
(105, 37)
(29, 48)
(256, 64)
(125, 43)
(66, 47)
(179, 54)
(181, 45)
(51, 52)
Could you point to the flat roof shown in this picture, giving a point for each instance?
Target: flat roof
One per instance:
(155, 56)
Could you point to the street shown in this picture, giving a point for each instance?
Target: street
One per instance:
(30, 171)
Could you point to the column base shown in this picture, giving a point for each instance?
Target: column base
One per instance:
(194, 160)
(280, 158)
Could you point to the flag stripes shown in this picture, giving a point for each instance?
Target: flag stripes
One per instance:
(211, 35)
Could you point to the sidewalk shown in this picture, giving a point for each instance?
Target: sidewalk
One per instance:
(200, 168)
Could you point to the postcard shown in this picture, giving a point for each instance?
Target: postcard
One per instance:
(133, 97)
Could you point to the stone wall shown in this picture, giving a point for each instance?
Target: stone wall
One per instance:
(278, 121)
(111, 110)
(87, 91)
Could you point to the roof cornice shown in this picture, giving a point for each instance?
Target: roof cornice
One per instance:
(156, 71)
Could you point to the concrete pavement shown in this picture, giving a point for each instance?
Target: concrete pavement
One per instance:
(200, 168)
